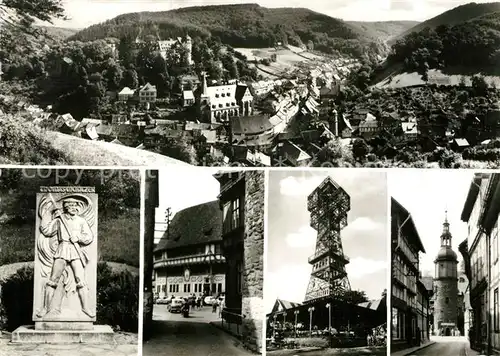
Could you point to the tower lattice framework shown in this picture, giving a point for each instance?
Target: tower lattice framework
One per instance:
(328, 205)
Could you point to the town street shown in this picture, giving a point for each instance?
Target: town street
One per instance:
(174, 335)
(447, 346)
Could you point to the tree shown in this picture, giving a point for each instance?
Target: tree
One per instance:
(18, 17)
(479, 86)
(130, 79)
(354, 297)
(360, 149)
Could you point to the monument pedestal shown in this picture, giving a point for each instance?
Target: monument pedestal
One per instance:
(97, 334)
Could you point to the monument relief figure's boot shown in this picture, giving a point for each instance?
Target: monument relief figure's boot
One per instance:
(49, 293)
(84, 300)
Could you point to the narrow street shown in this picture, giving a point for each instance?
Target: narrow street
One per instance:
(174, 335)
(447, 346)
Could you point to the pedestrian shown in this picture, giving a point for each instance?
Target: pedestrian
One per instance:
(221, 307)
(214, 306)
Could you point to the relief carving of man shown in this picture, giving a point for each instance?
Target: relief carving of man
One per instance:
(65, 233)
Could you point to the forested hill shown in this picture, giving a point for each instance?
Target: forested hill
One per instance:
(471, 46)
(245, 25)
(384, 30)
(454, 16)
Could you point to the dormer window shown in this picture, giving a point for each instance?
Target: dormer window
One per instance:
(216, 95)
(223, 95)
(228, 94)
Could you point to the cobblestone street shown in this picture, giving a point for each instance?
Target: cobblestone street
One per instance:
(175, 335)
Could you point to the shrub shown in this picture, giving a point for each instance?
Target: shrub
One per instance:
(17, 299)
(117, 299)
(311, 342)
(23, 143)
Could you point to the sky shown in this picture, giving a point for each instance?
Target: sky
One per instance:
(181, 188)
(84, 13)
(427, 195)
(291, 240)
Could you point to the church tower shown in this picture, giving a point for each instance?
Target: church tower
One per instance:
(446, 286)
(189, 50)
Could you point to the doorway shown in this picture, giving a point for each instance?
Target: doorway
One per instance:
(447, 332)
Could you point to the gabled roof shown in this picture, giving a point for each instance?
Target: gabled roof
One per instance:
(195, 225)
(282, 305)
(148, 87)
(241, 89)
(372, 304)
(126, 91)
(294, 152)
(397, 208)
(250, 124)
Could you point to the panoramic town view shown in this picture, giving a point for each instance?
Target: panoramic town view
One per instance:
(250, 85)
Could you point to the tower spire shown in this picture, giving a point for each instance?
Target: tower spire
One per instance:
(446, 235)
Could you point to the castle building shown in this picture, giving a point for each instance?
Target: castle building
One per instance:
(218, 103)
(446, 287)
(165, 46)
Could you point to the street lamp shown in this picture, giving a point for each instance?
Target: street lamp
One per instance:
(311, 309)
(329, 306)
(296, 312)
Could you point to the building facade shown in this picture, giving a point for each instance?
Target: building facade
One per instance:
(481, 253)
(405, 248)
(147, 94)
(189, 259)
(219, 103)
(446, 286)
(242, 203)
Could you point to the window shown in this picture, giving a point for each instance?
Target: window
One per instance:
(219, 288)
(164, 288)
(196, 288)
(236, 214)
(231, 215)
(495, 311)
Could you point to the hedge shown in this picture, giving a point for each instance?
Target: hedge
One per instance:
(117, 299)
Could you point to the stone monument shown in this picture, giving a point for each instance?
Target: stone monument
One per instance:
(65, 276)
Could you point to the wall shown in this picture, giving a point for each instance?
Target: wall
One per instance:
(252, 300)
(445, 312)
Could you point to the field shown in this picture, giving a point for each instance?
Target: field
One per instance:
(402, 80)
(287, 59)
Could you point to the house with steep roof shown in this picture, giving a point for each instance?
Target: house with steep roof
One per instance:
(147, 94)
(220, 102)
(125, 94)
(189, 257)
(293, 154)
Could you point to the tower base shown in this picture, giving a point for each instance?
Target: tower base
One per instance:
(99, 334)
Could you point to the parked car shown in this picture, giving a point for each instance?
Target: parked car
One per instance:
(176, 305)
(163, 300)
(209, 300)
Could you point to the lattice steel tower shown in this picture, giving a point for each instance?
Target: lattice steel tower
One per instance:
(328, 205)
